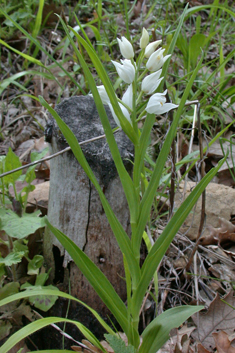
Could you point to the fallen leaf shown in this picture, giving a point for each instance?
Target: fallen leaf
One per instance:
(219, 316)
(222, 342)
(222, 235)
(201, 349)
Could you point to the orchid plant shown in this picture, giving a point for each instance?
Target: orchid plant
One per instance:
(143, 76)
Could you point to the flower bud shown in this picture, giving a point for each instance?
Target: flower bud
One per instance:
(151, 82)
(103, 94)
(151, 47)
(126, 70)
(156, 60)
(157, 104)
(126, 48)
(144, 40)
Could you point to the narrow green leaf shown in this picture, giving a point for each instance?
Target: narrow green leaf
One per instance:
(96, 278)
(38, 20)
(157, 332)
(10, 297)
(27, 57)
(195, 9)
(161, 245)
(39, 324)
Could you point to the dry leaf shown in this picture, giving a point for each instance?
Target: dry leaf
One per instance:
(219, 316)
(220, 202)
(201, 349)
(179, 341)
(223, 344)
(224, 234)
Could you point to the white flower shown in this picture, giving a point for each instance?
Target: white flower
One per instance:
(128, 97)
(151, 47)
(151, 82)
(157, 104)
(144, 40)
(103, 94)
(156, 60)
(125, 70)
(126, 48)
(125, 113)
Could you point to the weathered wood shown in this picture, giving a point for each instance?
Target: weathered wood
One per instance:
(74, 204)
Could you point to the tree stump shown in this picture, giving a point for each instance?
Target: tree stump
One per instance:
(74, 204)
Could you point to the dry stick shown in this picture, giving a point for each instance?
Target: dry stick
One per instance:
(203, 194)
(55, 154)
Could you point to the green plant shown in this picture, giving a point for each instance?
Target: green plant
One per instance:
(15, 228)
(134, 106)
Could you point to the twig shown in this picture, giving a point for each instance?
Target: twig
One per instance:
(54, 155)
(203, 209)
(64, 333)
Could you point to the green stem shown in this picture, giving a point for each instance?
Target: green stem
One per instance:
(13, 266)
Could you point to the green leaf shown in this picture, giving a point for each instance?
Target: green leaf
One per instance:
(96, 278)
(196, 44)
(39, 324)
(38, 21)
(44, 291)
(5, 327)
(119, 345)
(12, 258)
(35, 264)
(43, 302)
(41, 279)
(157, 332)
(20, 227)
(12, 161)
(12, 79)
(27, 57)
(161, 245)
(9, 289)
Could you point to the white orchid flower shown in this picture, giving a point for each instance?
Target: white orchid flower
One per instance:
(128, 97)
(151, 47)
(157, 104)
(144, 40)
(151, 82)
(125, 113)
(156, 60)
(126, 48)
(125, 70)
